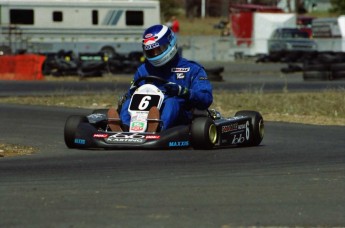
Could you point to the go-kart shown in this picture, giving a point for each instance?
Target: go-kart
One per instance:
(206, 130)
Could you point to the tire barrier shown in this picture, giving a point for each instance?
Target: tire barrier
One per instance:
(66, 63)
(315, 66)
(316, 72)
(21, 67)
(214, 73)
(338, 71)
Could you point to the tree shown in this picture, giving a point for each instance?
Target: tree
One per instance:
(169, 8)
(338, 6)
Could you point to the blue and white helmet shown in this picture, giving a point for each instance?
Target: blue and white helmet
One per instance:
(159, 45)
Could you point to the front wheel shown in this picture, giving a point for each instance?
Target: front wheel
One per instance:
(204, 133)
(71, 127)
(258, 127)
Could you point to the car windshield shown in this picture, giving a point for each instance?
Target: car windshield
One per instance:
(295, 34)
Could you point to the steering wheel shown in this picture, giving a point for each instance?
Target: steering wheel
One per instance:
(149, 78)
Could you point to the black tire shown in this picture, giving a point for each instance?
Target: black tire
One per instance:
(316, 67)
(338, 67)
(203, 133)
(316, 75)
(338, 75)
(108, 51)
(71, 127)
(258, 127)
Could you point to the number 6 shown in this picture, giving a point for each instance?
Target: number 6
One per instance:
(247, 130)
(144, 103)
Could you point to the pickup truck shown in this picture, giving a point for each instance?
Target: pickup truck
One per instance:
(290, 39)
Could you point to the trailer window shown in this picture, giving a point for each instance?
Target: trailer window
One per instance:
(134, 18)
(19, 16)
(57, 16)
(95, 17)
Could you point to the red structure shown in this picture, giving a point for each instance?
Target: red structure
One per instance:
(21, 67)
(241, 17)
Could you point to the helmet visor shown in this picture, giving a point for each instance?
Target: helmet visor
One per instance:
(155, 51)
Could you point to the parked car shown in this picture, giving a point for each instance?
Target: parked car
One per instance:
(290, 39)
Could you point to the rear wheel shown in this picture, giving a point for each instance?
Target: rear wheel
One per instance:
(204, 133)
(258, 127)
(71, 127)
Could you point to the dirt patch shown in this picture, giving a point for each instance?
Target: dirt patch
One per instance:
(8, 150)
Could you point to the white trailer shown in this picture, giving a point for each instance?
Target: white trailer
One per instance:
(264, 26)
(43, 26)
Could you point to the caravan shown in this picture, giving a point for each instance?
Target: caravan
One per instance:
(329, 33)
(42, 26)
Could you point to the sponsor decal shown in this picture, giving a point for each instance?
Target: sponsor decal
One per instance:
(125, 138)
(151, 46)
(137, 126)
(80, 141)
(149, 42)
(149, 39)
(242, 126)
(152, 137)
(234, 127)
(180, 75)
(98, 135)
(179, 143)
(238, 139)
(230, 127)
(180, 69)
(148, 35)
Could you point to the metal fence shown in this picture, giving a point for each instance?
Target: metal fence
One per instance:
(209, 48)
(223, 49)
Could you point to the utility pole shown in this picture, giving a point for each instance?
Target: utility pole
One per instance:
(203, 8)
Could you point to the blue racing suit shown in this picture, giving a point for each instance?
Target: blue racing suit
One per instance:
(176, 110)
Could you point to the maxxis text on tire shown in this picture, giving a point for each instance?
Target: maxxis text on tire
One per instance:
(70, 129)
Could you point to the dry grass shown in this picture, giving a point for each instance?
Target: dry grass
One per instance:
(8, 150)
(198, 26)
(326, 108)
(322, 108)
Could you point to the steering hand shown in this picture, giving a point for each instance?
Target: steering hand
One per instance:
(173, 89)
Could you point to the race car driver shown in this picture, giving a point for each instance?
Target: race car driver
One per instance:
(189, 87)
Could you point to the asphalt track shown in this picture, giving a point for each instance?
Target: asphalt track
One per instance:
(296, 177)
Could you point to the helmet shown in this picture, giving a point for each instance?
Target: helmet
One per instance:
(159, 44)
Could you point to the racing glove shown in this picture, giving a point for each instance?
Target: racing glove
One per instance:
(173, 89)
